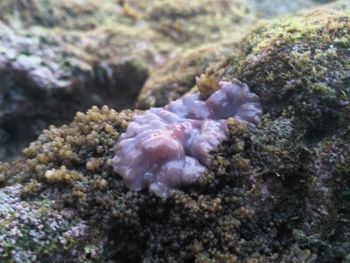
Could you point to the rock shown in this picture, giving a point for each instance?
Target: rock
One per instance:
(298, 67)
(270, 8)
(179, 74)
(43, 83)
(179, 71)
(278, 193)
(58, 57)
(192, 24)
(32, 231)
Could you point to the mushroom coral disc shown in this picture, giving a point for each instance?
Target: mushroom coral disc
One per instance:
(168, 147)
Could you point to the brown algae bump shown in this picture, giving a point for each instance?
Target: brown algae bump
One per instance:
(168, 147)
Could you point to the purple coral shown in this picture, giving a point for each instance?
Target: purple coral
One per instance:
(168, 147)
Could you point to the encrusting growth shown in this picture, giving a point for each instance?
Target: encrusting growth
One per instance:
(169, 147)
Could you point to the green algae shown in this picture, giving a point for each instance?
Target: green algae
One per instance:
(299, 63)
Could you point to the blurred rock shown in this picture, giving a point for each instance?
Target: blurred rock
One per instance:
(58, 57)
(179, 74)
(43, 82)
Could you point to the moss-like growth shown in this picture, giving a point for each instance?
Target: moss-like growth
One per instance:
(63, 176)
(207, 85)
(300, 66)
(259, 201)
(277, 193)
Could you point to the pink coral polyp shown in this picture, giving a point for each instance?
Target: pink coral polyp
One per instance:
(168, 147)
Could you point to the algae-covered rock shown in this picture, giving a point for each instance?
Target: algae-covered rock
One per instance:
(65, 177)
(58, 57)
(260, 201)
(35, 231)
(43, 82)
(301, 66)
(201, 21)
(178, 75)
(275, 193)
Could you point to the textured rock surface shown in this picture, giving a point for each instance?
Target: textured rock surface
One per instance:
(279, 193)
(77, 54)
(42, 218)
(45, 82)
(58, 57)
(301, 62)
(32, 231)
(179, 74)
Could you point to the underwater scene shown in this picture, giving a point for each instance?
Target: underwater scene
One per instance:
(174, 131)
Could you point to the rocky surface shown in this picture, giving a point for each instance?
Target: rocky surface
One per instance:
(179, 74)
(44, 82)
(61, 57)
(277, 193)
(65, 56)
